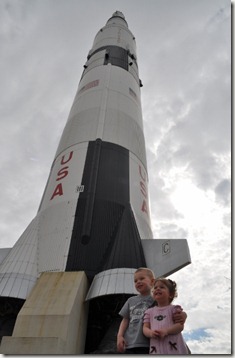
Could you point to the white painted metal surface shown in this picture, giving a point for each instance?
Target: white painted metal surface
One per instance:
(3, 253)
(166, 256)
(18, 271)
(114, 281)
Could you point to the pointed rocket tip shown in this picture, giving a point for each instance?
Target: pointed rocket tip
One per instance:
(119, 14)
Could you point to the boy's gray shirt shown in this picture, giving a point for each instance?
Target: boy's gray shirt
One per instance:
(134, 309)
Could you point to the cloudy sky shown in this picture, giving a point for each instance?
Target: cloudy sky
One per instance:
(184, 56)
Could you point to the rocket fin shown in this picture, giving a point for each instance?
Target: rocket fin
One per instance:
(166, 256)
(18, 271)
(126, 250)
(3, 253)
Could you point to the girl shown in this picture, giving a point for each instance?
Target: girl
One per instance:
(165, 335)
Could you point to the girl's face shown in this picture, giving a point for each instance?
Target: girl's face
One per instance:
(161, 293)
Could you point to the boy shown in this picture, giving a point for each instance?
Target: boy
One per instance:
(130, 338)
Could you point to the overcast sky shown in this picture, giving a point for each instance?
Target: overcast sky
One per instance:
(184, 58)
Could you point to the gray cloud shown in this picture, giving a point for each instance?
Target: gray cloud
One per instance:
(223, 192)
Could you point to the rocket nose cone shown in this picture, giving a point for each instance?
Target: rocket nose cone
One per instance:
(117, 17)
(119, 14)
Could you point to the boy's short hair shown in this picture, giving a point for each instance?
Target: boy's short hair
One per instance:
(149, 272)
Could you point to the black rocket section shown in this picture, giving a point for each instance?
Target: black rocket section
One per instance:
(105, 234)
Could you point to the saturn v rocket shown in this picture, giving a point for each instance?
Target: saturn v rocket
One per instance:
(94, 214)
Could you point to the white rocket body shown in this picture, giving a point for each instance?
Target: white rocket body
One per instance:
(94, 212)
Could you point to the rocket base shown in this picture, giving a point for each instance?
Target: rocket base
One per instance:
(53, 319)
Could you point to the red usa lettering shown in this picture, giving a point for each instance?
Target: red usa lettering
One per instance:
(61, 174)
(143, 190)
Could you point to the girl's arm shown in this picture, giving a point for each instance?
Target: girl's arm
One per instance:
(174, 329)
(149, 333)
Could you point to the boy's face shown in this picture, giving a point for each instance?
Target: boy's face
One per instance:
(143, 282)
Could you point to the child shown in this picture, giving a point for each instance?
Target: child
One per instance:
(165, 335)
(130, 338)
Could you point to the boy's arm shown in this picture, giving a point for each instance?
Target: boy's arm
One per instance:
(121, 343)
(180, 317)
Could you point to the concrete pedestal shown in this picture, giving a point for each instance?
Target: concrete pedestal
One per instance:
(53, 320)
